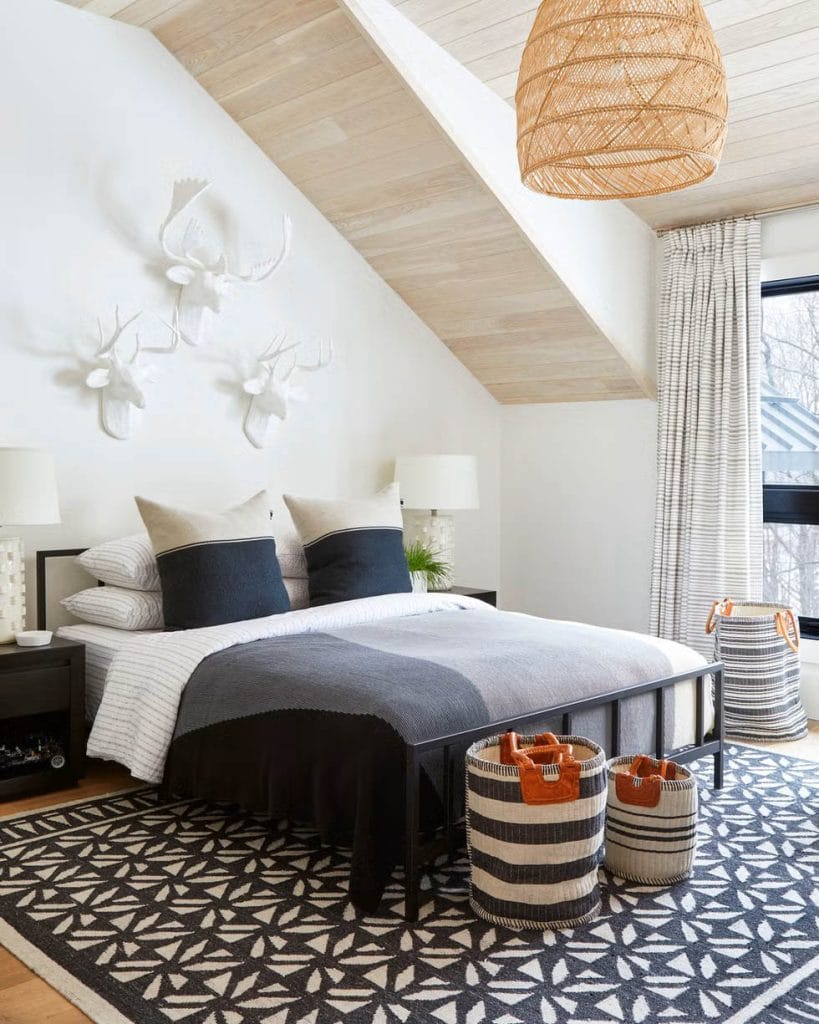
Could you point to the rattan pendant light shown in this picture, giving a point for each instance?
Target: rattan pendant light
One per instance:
(620, 98)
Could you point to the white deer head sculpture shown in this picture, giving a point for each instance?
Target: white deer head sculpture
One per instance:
(201, 271)
(274, 385)
(120, 381)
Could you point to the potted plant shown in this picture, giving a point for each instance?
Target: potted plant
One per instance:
(426, 569)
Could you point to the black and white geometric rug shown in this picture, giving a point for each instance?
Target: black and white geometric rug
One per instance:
(149, 912)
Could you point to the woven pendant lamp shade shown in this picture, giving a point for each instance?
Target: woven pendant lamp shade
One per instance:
(620, 98)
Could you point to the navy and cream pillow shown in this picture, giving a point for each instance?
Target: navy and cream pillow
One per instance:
(215, 567)
(353, 548)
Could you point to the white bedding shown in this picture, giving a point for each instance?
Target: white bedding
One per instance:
(148, 673)
(101, 644)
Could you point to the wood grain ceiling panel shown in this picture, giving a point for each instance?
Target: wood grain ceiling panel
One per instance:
(302, 82)
(771, 52)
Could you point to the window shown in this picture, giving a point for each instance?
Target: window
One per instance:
(790, 446)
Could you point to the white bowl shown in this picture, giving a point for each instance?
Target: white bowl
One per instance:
(34, 638)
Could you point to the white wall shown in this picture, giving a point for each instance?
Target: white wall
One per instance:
(790, 244)
(101, 122)
(578, 485)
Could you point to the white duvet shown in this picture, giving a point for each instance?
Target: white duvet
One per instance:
(147, 677)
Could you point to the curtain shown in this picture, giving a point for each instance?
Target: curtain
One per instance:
(708, 528)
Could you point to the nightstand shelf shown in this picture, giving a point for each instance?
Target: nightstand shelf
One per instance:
(489, 596)
(42, 691)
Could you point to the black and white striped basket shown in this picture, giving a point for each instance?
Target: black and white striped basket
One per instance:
(759, 646)
(535, 865)
(651, 820)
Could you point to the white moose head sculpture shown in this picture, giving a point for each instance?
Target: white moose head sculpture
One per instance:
(202, 271)
(120, 381)
(274, 385)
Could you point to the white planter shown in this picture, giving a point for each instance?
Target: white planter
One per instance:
(419, 582)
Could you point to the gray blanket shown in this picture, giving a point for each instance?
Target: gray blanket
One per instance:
(429, 675)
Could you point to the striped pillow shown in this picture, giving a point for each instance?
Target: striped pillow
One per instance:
(215, 567)
(113, 606)
(353, 548)
(128, 562)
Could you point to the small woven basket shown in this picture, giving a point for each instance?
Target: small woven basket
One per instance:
(535, 829)
(651, 820)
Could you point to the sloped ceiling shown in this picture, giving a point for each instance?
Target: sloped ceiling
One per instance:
(303, 82)
(771, 53)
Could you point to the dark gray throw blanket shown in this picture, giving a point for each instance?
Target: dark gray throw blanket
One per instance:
(311, 726)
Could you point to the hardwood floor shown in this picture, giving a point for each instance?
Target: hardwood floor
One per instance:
(25, 999)
(807, 749)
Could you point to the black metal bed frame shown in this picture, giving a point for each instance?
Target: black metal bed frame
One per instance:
(421, 850)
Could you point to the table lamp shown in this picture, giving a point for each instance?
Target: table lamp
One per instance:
(28, 497)
(432, 485)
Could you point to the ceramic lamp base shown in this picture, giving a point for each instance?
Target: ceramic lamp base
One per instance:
(12, 589)
(436, 531)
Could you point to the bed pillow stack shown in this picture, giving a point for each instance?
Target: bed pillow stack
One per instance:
(131, 598)
(196, 569)
(215, 567)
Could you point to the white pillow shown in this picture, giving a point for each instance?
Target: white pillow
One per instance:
(113, 606)
(298, 590)
(292, 562)
(128, 562)
(131, 563)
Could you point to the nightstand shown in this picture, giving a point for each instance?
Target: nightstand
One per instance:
(42, 694)
(490, 596)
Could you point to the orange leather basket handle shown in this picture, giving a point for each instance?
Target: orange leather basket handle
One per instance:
(545, 750)
(643, 766)
(642, 784)
(636, 790)
(535, 789)
(783, 629)
(726, 606)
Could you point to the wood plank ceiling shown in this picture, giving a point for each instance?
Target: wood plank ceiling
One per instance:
(771, 53)
(302, 82)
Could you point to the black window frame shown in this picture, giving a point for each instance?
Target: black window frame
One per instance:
(791, 503)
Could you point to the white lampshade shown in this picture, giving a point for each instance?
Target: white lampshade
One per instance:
(28, 487)
(438, 481)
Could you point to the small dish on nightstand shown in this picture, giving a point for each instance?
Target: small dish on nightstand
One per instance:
(34, 638)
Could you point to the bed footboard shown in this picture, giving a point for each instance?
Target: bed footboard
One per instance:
(420, 851)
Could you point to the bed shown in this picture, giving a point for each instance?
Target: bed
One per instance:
(102, 643)
(355, 716)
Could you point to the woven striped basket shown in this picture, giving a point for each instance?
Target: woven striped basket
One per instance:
(759, 646)
(651, 820)
(534, 865)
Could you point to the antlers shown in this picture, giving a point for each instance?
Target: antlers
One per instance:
(106, 348)
(185, 192)
(269, 360)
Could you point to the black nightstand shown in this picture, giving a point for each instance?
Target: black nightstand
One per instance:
(42, 692)
(490, 596)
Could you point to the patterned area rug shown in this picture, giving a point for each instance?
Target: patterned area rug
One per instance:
(143, 911)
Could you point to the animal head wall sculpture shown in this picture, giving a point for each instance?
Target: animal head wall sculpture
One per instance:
(202, 273)
(274, 385)
(120, 381)
(202, 270)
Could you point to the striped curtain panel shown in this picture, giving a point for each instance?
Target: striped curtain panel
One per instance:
(708, 528)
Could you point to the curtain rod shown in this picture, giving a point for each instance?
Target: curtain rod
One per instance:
(762, 215)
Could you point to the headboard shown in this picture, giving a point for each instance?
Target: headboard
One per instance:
(72, 578)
